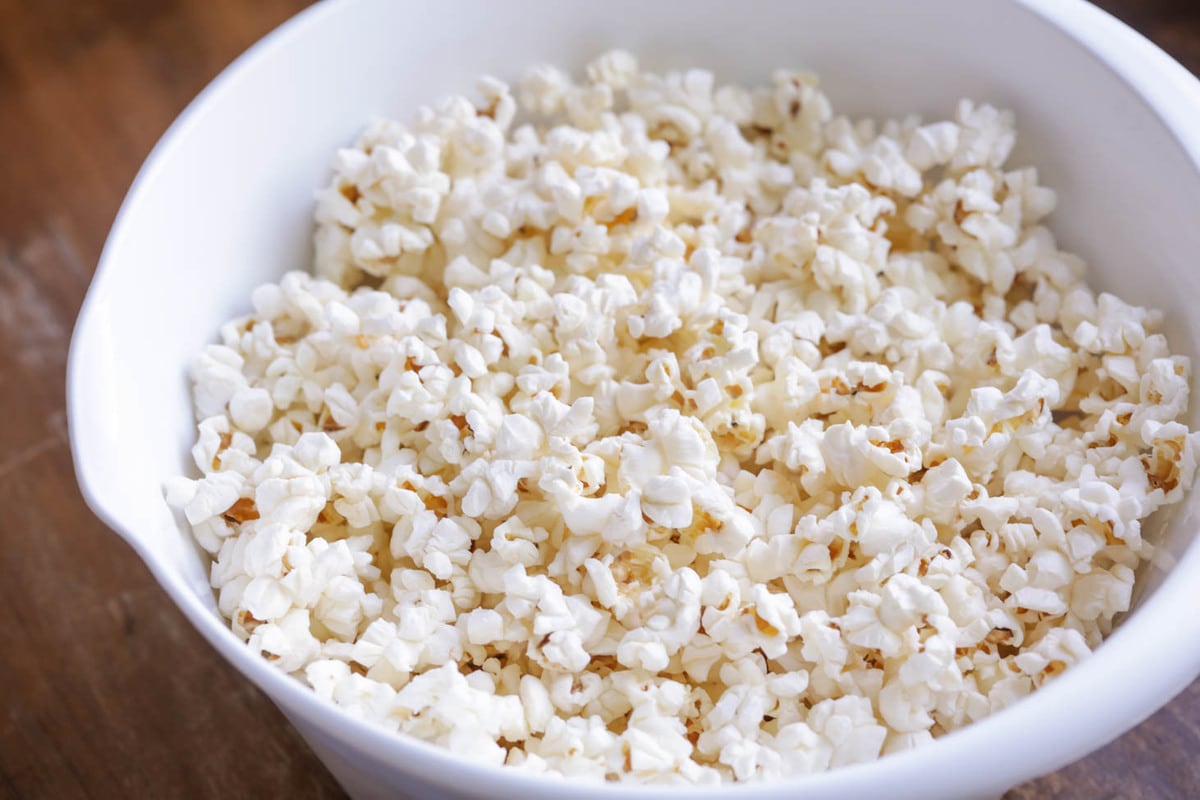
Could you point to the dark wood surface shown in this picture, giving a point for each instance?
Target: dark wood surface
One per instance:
(105, 690)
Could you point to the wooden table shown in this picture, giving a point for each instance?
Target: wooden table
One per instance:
(105, 689)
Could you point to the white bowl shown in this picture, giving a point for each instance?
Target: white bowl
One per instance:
(224, 203)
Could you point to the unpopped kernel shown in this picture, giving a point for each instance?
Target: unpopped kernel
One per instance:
(651, 429)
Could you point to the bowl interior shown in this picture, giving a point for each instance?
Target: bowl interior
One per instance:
(226, 201)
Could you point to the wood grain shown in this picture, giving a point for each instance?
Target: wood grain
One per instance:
(105, 689)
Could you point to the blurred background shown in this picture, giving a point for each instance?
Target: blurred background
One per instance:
(105, 689)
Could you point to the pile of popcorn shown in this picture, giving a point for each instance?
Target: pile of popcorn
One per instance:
(649, 429)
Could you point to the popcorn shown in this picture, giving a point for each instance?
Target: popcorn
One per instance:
(648, 429)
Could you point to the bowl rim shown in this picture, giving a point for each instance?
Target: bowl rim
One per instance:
(1171, 93)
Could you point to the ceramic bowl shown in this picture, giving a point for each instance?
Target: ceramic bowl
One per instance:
(225, 201)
